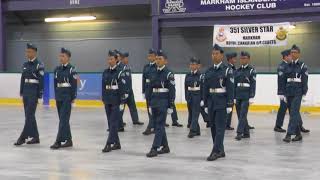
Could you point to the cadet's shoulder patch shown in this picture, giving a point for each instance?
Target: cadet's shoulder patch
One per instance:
(121, 74)
(306, 73)
(252, 71)
(40, 66)
(170, 75)
(202, 76)
(280, 73)
(232, 80)
(41, 72)
(73, 70)
(281, 67)
(305, 66)
(123, 81)
(172, 82)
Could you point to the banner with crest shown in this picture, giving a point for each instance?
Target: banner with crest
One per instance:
(251, 35)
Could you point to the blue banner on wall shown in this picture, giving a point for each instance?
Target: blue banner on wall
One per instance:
(197, 6)
(88, 89)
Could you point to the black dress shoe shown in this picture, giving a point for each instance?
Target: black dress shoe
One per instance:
(279, 129)
(238, 137)
(213, 156)
(121, 129)
(164, 150)
(34, 141)
(229, 128)
(245, 136)
(107, 148)
(19, 142)
(188, 125)
(304, 130)
(116, 147)
(177, 124)
(124, 124)
(166, 125)
(251, 127)
(222, 154)
(56, 145)
(68, 143)
(138, 123)
(148, 132)
(297, 138)
(152, 153)
(287, 139)
(191, 134)
(207, 125)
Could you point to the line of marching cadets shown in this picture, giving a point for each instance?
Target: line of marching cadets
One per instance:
(212, 94)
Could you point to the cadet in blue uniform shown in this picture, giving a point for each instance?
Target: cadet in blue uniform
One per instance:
(120, 66)
(245, 90)
(295, 54)
(162, 91)
(114, 94)
(193, 96)
(130, 101)
(232, 60)
(31, 89)
(296, 88)
(218, 92)
(286, 58)
(65, 88)
(148, 70)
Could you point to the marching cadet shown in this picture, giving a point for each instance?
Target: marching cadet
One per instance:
(295, 54)
(130, 101)
(218, 92)
(232, 60)
(65, 87)
(245, 90)
(296, 88)
(31, 89)
(286, 58)
(120, 65)
(114, 94)
(193, 96)
(148, 70)
(162, 92)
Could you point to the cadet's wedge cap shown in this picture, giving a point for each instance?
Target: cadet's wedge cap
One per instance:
(286, 52)
(125, 54)
(152, 51)
(194, 60)
(66, 51)
(231, 55)
(245, 53)
(296, 48)
(112, 53)
(217, 48)
(161, 53)
(32, 46)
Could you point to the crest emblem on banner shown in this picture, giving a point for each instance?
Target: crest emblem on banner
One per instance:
(174, 6)
(221, 36)
(281, 34)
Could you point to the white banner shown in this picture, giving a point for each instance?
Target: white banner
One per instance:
(251, 35)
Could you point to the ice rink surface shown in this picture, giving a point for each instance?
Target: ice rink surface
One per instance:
(263, 157)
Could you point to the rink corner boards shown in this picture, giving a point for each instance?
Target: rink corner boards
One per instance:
(142, 105)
